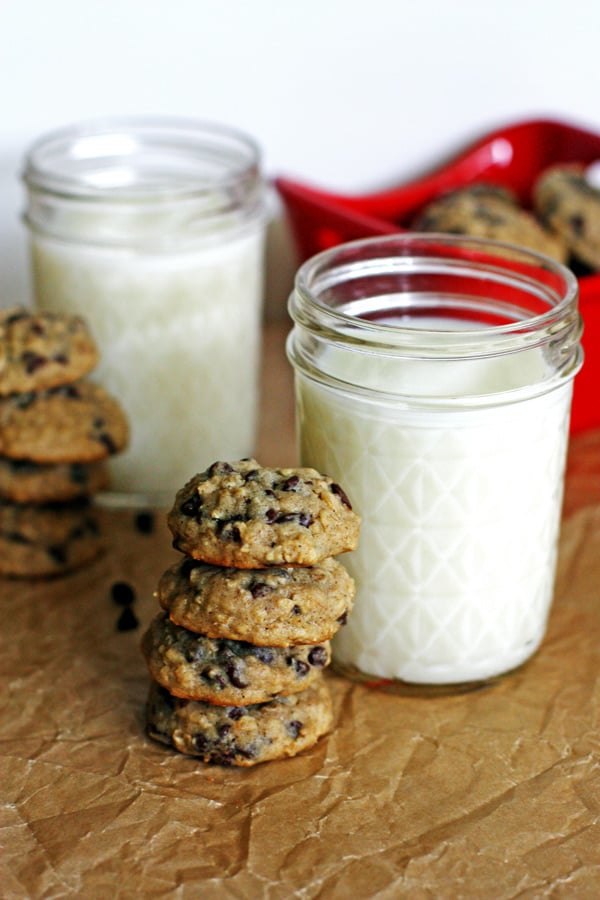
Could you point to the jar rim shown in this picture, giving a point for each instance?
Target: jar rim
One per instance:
(61, 162)
(477, 258)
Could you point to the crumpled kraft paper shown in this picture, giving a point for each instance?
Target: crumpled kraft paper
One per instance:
(493, 793)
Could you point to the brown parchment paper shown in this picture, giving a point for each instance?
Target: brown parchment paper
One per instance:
(494, 793)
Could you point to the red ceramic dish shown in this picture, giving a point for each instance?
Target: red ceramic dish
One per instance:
(514, 157)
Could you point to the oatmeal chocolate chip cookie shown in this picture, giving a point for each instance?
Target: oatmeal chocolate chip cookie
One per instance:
(38, 541)
(570, 205)
(274, 607)
(78, 422)
(22, 481)
(244, 515)
(489, 211)
(42, 350)
(240, 735)
(227, 673)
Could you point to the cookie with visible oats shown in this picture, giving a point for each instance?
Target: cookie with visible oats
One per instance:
(227, 673)
(40, 541)
(489, 211)
(40, 350)
(248, 516)
(240, 735)
(78, 422)
(273, 607)
(22, 481)
(569, 204)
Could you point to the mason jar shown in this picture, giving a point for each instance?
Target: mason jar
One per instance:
(434, 377)
(153, 230)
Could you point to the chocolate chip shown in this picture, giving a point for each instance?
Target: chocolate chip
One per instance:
(294, 727)
(224, 729)
(235, 712)
(301, 518)
(297, 610)
(201, 743)
(22, 401)
(122, 593)
(220, 468)
(128, 620)
(264, 654)
(259, 589)
(234, 673)
(33, 361)
(290, 484)
(252, 475)
(191, 506)
(107, 441)
(78, 473)
(343, 618)
(336, 489)
(317, 656)
(144, 522)
(301, 668)
(57, 552)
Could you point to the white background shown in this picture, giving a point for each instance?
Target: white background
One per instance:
(345, 94)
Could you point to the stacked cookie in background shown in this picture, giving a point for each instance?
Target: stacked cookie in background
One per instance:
(56, 432)
(237, 656)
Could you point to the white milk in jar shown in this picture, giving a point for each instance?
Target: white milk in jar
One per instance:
(436, 388)
(153, 230)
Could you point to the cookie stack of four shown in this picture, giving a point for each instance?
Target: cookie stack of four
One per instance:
(56, 432)
(237, 656)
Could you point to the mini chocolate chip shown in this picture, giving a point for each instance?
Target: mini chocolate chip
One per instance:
(252, 475)
(294, 727)
(259, 589)
(220, 468)
(336, 489)
(235, 675)
(33, 361)
(128, 620)
(191, 506)
(122, 593)
(78, 473)
(106, 439)
(224, 729)
(297, 610)
(22, 401)
(235, 712)
(144, 522)
(271, 516)
(60, 358)
(232, 533)
(264, 654)
(302, 668)
(290, 484)
(247, 752)
(343, 618)
(68, 390)
(58, 553)
(301, 518)
(200, 742)
(317, 656)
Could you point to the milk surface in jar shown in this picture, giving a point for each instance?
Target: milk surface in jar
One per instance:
(446, 420)
(154, 231)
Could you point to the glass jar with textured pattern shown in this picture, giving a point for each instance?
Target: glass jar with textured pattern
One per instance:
(434, 377)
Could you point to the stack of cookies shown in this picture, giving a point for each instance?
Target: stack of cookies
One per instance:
(56, 431)
(237, 656)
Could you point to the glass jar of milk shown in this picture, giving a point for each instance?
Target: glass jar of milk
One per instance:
(153, 230)
(433, 380)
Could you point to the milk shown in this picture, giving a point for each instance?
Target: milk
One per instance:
(178, 334)
(460, 506)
